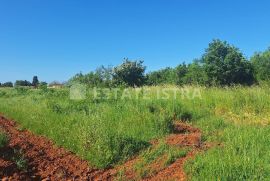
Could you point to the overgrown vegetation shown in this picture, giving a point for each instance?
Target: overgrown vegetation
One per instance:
(109, 131)
(239, 122)
(261, 64)
(102, 131)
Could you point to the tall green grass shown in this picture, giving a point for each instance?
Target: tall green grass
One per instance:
(238, 120)
(107, 132)
(104, 132)
(243, 155)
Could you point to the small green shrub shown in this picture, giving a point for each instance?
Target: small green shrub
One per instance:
(3, 139)
(20, 161)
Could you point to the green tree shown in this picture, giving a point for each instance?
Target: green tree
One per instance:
(78, 78)
(105, 75)
(22, 83)
(7, 84)
(101, 77)
(181, 71)
(261, 64)
(130, 73)
(225, 65)
(196, 74)
(163, 76)
(154, 78)
(35, 81)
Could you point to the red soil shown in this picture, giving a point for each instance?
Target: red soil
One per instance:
(45, 161)
(184, 135)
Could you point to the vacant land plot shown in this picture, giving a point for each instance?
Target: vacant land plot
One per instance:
(234, 139)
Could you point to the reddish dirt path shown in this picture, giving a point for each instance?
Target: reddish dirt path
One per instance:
(184, 136)
(48, 162)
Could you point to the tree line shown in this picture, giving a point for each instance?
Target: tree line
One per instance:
(222, 64)
(25, 83)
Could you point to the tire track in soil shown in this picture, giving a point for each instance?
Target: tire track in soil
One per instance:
(47, 162)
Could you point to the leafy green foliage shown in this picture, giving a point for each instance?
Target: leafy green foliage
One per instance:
(181, 72)
(163, 76)
(221, 65)
(7, 84)
(22, 83)
(261, 64)
(102, 77)
(195, 75)
(130, 73)
(226, 65)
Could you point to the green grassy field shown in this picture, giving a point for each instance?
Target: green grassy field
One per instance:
(108, 131)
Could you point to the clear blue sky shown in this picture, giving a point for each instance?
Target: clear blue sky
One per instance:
(55, 39)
